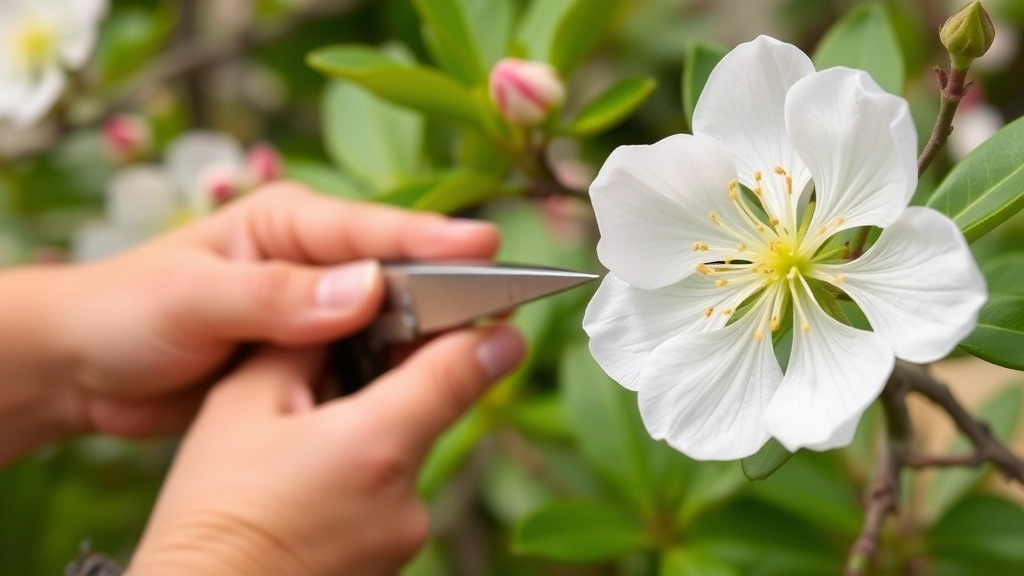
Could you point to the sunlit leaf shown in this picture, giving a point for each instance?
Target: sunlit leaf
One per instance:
(435, 93)
(446, 19)
(460, 190)
(981, 535)
(999, 335)
(451, 450)
(579, 29)
(865, 39)
(690, 561)
(537, 27)
(987, 187)
(611, 107)
(323, 178)
(580, 531)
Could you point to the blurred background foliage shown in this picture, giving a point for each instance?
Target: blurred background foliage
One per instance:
(552, 473)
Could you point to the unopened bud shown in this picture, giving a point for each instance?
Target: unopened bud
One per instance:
(967, 35)
(263, 164)
(525, 92)
(126, 137)
(219, 184)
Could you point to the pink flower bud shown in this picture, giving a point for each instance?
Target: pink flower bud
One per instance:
(525, 92)
(220, 184)
(263, 164)
(126, 137)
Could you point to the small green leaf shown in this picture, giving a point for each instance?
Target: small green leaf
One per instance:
(709, 484)
(451, 450)
(458, 191)
(542, 417)
(491, 24)
(999, 335)
(434, 93)
(580, 28)
(476, 152)
(324, 178)
(510, 492)
(537, 27)
(611, 107)
(981, 535)
(766, 461)
(865, 39)
(689, 561)
(451, 34)
(1005, 274)
(374, 140)
(1002, 413)
(701, 59)
(580, 531)
(987, 187)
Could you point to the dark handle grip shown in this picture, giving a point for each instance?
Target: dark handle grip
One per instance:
(355, 362)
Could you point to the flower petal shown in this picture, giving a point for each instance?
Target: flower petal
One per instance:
(101, 240)
(38, 97)
(919, 285)
(705, 393)
(626, 324)
(653, 203)
(141, 198)
(743, 107)
(191, 155)
(860, 145)
(834, 374)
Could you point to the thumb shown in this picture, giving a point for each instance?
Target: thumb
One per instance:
(282, 302)
(428, 392)
(272, 381)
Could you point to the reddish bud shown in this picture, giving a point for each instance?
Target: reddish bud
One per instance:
(525, 92)
(263, 164)
(126, 137)
(219, 183)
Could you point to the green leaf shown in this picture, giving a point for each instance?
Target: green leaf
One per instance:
(611, 107)
(693, 562)
(865, 39)
(981, 535)
(766, 461)
(460, 190)
(450, 451)
(542, 417)
(434, 93)
(579, 531)
(607, 423)
(987, 187)
(476, 152)
(710, 484)
(701, 59)
(999, 335)
(451, 34)
(378, 142)
(510, 492)
(491, 24)
(1002, 413)
(429, 561)
(816, 487)
(1005, 274)
(580, 28)
(537, 27)
(759, 539)
(323, 178)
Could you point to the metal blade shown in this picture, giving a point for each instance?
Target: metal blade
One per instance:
(444, 296)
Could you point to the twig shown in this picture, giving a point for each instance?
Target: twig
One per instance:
(988, 447)
(194, 80)
(945, 461)
(883, 495)
(952, 90)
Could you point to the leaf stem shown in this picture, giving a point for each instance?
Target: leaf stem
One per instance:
(953, 89)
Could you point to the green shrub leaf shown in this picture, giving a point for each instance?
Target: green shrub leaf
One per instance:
(580, 531)
(611, 107)
(865, 39)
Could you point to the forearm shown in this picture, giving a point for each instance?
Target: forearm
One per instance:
(37, 404)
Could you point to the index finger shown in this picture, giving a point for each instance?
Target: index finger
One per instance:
(288, 221)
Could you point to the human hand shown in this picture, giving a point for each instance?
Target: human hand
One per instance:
(267, 483)
(149, 328)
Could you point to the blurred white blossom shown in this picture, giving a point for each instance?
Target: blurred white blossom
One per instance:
(701, 280)
(39, 41)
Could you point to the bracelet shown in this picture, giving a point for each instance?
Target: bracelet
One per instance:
(89, 563)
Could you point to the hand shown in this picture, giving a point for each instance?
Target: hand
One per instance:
(149, 328)
(266, 483)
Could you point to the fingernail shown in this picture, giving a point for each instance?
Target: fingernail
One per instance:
(347, 285)
(500, 352)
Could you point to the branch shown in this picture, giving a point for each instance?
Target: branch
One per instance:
(988, 447)
(952, 90)
(954, 461)
(883, 496)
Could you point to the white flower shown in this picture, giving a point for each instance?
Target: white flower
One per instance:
(39, 39)
(211, 168)
(688, 252)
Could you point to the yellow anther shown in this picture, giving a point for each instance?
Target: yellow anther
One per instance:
(760, 228)
(839, 220)
(758, 192)
(821, 231)
(789, 185)
(774, 323)
(757, 335)
(714, 218)
(726, 311)
(780, 170)
(742, 247)
(708, 312)
(757, 175)
(721, 282)
(773, 221)
(728, 260)
(774, 245)
(838, 278)
(700, 246)
(734, 186)
(704, 268)
(805, 326)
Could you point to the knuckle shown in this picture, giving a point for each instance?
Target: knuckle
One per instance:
(386, 467)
